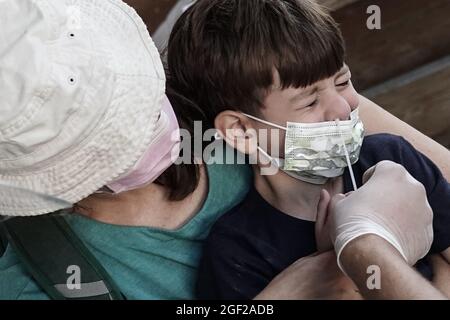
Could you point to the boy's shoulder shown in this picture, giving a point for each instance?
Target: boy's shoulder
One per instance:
(394, 148)
(238, 219)
(249, 221)
(384, 146)
(384, 143)
(253, 213)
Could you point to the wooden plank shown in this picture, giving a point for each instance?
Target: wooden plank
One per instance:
(333, 5)
(444, 139)
(413, 33)
(420, 98)
(152, 12)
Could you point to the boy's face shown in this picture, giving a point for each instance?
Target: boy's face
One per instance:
(326, 100)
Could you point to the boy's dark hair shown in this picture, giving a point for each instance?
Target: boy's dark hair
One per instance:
(222, 53)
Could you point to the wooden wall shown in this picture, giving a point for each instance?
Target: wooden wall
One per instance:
(152, 12)
(403, 67)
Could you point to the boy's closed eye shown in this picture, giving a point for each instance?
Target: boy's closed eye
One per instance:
(343, 84)
(343, 80)
(312, 104)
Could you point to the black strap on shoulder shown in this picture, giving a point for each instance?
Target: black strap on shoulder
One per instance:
(58, 260)
(3, 240)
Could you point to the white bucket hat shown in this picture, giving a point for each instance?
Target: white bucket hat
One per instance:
(81, 85)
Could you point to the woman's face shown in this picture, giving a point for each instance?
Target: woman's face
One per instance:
(326, 100)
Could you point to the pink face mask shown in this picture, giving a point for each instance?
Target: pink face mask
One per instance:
(160, 155)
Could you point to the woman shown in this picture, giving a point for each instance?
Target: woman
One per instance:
(90, 125)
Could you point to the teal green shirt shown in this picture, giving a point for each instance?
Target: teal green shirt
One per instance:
(145, 263)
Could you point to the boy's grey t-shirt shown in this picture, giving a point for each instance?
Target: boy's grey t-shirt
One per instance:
(253, 242)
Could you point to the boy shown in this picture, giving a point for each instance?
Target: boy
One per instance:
(278, 66)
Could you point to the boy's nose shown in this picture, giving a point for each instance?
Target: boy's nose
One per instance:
(336, 107)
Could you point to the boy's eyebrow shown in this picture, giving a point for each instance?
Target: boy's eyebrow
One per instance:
(303, 94)
(343, 71)
(312, 90)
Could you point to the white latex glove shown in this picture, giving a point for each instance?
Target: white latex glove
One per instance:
(390, 204)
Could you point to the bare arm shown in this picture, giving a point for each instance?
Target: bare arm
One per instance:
(398, 279)
(446, 255)
(314, 277)
(378, 120)
(441, 273)
(441, 270)
(318, 277)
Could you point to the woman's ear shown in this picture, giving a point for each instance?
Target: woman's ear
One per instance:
(236, 130)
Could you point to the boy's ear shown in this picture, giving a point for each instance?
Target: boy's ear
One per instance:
(237, 131)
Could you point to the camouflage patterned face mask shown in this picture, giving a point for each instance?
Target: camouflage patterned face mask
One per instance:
(315, 152)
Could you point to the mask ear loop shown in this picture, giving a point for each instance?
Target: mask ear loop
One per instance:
(264, 153)
(347, 157)
(265, 122)
(217, 136)
(272, 160)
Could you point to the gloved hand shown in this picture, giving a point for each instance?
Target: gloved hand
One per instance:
(390, 204)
